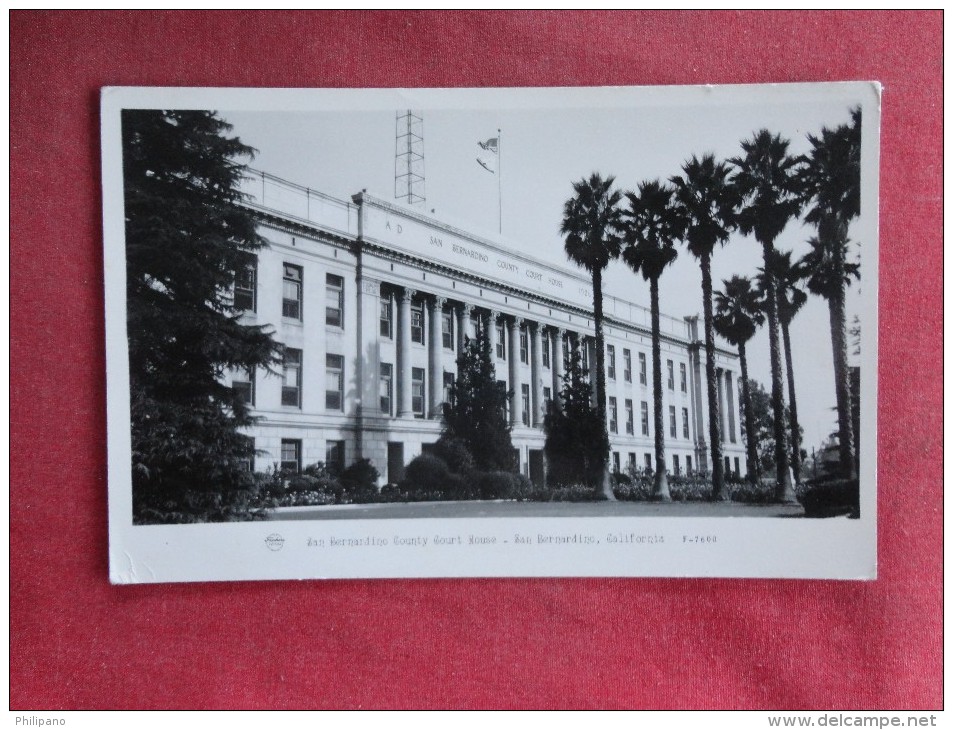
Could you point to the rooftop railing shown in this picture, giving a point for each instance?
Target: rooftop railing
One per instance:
(270, 192)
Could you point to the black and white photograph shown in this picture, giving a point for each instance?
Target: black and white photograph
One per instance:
(492, 332)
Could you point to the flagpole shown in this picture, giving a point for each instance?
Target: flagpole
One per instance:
(499, 174)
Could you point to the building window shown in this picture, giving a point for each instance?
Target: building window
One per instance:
(727, 466)
(629, 418)
(387, 387)
(334, 456)
(643, 376)
(648, 462)
(387, 318)
(446, 327)
(291, 378)
(291, 455)
(524, 388)
(246, 461)
(501, 384)
(610, 365)
(683, 377)
(417, 322)
(291, 292)
(334, 382)
(671, 421)
(671, 375)
(565, 353)
(524, 345)
(675, 465)
(737, 468)
(584, 355)
(243, 383)
(449, 379)
(631, 464)
(613, 415)
(547, 394)
(645, 418)
(616, 465)
(688, 465)
(627, 365)
(546, 344)
(417, 391)
(334, 307)
(685, 431)
(246, 285)
(500, 342)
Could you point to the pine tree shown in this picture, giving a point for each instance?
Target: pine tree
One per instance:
(577, 446)
(476, 413)
(186, 239)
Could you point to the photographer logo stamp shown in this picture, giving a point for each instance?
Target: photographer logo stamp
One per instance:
(275, 542)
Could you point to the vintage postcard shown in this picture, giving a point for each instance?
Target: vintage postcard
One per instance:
(492, 332)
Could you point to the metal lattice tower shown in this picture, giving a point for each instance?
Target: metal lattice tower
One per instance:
(409, 159)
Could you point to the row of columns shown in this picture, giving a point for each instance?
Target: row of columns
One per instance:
(463, 313)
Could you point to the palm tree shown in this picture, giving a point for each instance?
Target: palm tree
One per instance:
(591, 224)
(652, 227)
(829, 180)
(706, 203)
(787, 276)
(765, 182)
(738, 315)
(829, 275)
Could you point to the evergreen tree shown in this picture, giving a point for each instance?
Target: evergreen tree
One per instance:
(762, 417)
(577, 446)
(187, 237)
(476, 413)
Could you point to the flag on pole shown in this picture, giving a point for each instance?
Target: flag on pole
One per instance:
(488, 162)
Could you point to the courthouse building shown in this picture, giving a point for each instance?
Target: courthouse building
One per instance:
(372, 302)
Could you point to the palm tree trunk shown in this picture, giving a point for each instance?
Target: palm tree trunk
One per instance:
(660, 491)
(717, 467)
(751, 437)
(838, 234)
(606, 478)
(784, 490)
(795, 425)
(842, 385)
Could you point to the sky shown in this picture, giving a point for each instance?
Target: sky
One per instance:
(550, 139)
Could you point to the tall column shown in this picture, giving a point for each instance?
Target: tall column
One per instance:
(720, 380)
(405, 407)
(516, 400)
(730, 409)
(435, 361)
(491, 324)
(463, 325)
(536, 358)
(368, 360)
(558, 335)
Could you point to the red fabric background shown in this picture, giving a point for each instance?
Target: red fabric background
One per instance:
(78, 642)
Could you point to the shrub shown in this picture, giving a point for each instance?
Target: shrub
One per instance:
(638, 489)
(574, 493)
(493, 484)
(359, 482)
(831, 498)
(426, 475)
(191, 507)
(455, 454)
(748, 493)
(522, 488)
